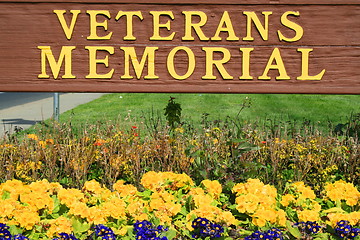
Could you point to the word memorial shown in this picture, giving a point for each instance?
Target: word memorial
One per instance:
(264, 47)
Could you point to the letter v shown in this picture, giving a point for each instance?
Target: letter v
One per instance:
(67, 30)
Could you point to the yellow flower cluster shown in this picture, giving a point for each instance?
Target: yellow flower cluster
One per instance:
(20, 204)
(341, 190)
(157, 181)
(206, 205)
(172, 199)
(302, 199)
(336, 216)
(259, 201)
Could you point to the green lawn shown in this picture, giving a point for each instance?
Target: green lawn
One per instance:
(314, 109)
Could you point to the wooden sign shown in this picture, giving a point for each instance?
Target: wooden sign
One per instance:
(247, 46)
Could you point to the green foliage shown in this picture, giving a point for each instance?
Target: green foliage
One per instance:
(173, 113)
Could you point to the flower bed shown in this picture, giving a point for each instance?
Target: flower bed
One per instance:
(172, 206)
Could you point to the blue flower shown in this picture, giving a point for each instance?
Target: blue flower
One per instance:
(4, 232)
(309, 227)
(20, 237)
(344, 230)
(204, 228)
(272, 234)
(146, 231)
(104, 232)
(63, 236)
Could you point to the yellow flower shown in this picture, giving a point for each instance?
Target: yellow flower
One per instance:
(214, 188)
(71, 196)
(180, 130)
(287, 199)
(341, 190)
(308, 215)
(79, 209)
(165, 180)
(26, 218)
(33, 137)
(96, 216)
(59, 225)
(353, 218)
(124, 189)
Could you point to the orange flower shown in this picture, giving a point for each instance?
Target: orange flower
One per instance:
(99, 142)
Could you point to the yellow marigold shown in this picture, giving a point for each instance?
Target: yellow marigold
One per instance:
(207, 211)
(79, 209)
(26, 218)
(303, 190)
(38, 200)
(287, 199)
(308, 215)
(137, 207)
(59, 225)
(92, 187)
(96, 216)
(114, 207)
(272, 216)
(14, 187)
(247, 203)
(33, 137)
(353, 218)
(264, 215)
(7, 206)
(281, 217)
(200, 200)
(156, 181)
(214, 188)
(341, 190)
(228, 218)
(124, 189)
(196, 191)
(42, 186)
(255, 186)
(70, 196)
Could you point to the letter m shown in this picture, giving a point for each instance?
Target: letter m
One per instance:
(148, 56)
(65, 56)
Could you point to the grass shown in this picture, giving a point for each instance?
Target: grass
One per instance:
(270, 109)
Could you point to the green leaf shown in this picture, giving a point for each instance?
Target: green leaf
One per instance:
(79, 226)
(293, 231)
(5, 195)
(321, 236)
(171, 233)
(15, 230)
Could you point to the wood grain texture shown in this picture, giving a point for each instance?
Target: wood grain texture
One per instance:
(331, 29)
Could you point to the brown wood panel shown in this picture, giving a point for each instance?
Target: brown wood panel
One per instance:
(237, 2)
(331, 29)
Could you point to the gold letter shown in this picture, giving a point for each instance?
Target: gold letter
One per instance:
(130, 54)
(305, 66)
(197, 26)
(287, 23)
(225, 19)
(67, 30)
(191, 63)
(279, 65)
(65, 55)
(246, 64)
(218, 63)
(263, 30)
(157, 25)
(94, 24)
(129, 22)
(93, 61)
